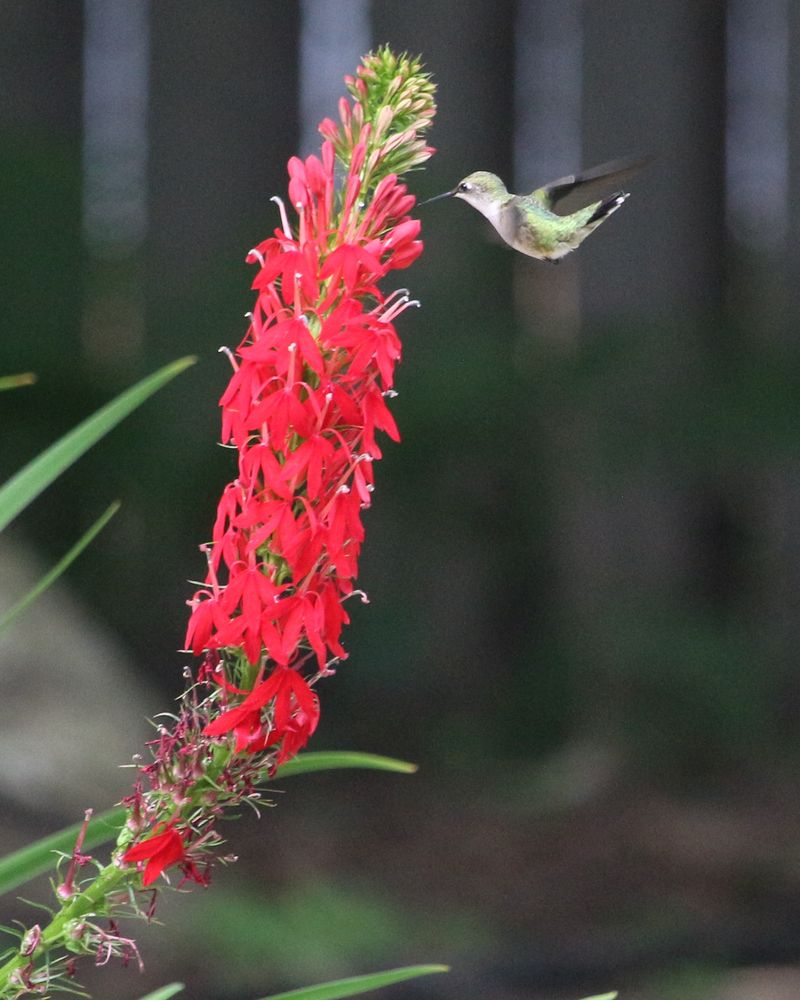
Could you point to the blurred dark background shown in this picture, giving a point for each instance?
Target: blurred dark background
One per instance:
(582, 561)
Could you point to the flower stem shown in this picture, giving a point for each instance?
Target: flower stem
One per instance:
(91, 901)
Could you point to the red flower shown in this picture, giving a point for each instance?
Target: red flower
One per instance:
(159, 851)
(295, 715)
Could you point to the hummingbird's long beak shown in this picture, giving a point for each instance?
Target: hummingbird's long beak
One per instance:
(438, 197)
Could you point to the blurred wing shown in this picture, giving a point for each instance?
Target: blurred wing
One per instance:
(589, 182)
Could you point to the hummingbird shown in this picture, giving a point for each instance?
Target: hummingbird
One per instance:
(528, 223)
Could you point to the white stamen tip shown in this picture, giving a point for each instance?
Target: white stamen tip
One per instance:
(287, 232)
(230, 356)
(257, 254)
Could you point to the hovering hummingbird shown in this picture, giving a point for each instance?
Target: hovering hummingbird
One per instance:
(528, 223)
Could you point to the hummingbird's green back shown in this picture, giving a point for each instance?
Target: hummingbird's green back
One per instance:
(530, 227)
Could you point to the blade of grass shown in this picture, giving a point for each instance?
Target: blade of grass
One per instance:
(328, 760)
(16, 381)
(60, 566)
(28, 483)
(165, 992)
(358, 984)
(36, 858)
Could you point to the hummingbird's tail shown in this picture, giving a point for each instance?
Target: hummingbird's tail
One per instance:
(606, 207)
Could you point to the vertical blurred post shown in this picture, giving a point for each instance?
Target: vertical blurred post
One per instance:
(116, 55)
(40, 126)
(457, 361)
(222, 127)
(762, 186)
(653, 83)
(222, 123)
(333, 38)
(547, 144)
(757, 161)
(764, 215)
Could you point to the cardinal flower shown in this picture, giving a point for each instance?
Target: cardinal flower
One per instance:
(306, 401)
(160, 851)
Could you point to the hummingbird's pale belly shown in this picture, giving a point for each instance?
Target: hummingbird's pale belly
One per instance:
(535, 237)
(532, 250)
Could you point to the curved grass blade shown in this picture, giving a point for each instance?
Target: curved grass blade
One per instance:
(28, 483)
(165, 992)
(60, 566)
(328, 760)
(358, 984)
(36, 858)
(604, 996)
(16, 381)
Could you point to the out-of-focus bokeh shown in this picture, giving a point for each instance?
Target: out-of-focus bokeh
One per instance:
(583, 561)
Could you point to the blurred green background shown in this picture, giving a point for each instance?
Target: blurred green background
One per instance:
(583, 559)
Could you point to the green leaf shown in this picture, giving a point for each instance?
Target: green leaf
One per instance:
(328, 760)
(37, 475)
(358, 984)
(16, 381)
(37, 858)
(604, 996)
(165, 992)
(59, 567)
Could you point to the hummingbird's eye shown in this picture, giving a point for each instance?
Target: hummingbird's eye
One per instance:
(463, 186)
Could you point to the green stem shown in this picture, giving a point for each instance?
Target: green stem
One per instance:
(93, 899)
(87, 903)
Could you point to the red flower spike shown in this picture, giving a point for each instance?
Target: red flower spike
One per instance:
(304, 404)
(303, 408)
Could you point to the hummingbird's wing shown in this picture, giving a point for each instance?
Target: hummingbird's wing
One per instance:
(613, 173)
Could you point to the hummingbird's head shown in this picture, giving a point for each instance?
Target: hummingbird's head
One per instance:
(482, 190)
(481, 184)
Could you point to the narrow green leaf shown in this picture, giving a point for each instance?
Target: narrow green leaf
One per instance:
(16, 381)
(165, 992)
(59, 567)
(328, 760)
(604, 996)
(28, 483)
(358, 984)
(36, 858)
